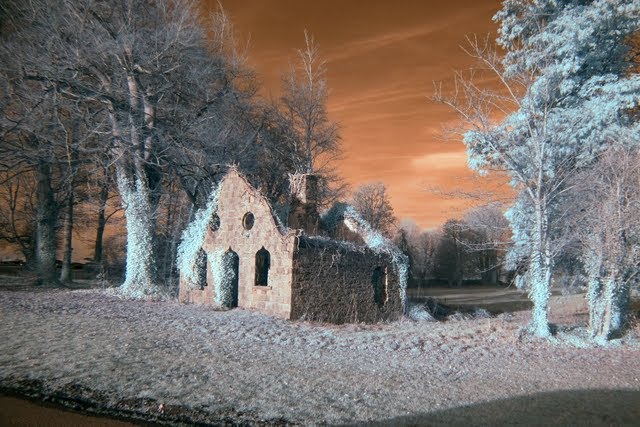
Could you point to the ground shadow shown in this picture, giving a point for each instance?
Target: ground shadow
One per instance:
(565, 408)
(20, 412)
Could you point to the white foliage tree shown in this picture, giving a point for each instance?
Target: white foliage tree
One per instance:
(379, 244)
(566, 90)
(165, 95)
(606, 200)
(192, 240)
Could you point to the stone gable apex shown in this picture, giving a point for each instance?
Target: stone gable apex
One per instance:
(236, 179)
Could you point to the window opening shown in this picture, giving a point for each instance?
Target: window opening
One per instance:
(263, 263)
(248, 220)
(379, 283)
(214, 223)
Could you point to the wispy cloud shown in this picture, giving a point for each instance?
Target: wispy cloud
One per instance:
(374, 97)
(365, 45)
(441, 161)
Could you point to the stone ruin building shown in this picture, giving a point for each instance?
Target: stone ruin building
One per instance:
(250, 259)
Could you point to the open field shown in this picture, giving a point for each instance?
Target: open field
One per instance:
(496, 299)
(163, 361)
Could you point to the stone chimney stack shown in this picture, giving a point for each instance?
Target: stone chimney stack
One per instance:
(304, 187)
(303, 213)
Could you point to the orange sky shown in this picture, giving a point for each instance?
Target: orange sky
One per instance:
(382, 59)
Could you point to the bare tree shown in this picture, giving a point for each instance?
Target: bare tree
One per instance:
(487, 240)
(401, 240)
(160, 86)
(102, 184)
(44, 132)
(17, 212)
(428, 242)
(32, 143)
(420, 248)
(71, 157)
(452, 254)
(312, 139)
(372, 203)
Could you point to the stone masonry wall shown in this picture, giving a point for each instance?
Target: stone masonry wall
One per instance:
(332, 284)
(303, 212)
(237, 198)
(206, 295)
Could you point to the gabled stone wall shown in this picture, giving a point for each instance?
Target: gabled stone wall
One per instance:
(237, 199)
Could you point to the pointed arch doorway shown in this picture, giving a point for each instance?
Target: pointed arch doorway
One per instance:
(229, 283)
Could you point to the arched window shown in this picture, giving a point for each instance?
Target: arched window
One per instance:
(379, 283)
(263, 263)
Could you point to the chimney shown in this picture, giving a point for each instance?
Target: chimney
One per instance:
(304, 187)
(303, 213)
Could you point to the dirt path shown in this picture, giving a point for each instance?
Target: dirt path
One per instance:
(22, 413)
(172, 362)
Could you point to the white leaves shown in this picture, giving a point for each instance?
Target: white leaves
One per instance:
(192, 240)
(141, 267)
(224, 277)
(575, 105)
(380, 244)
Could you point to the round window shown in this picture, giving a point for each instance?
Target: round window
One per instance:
(248, 220)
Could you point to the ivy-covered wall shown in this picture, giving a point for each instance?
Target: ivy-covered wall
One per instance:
(335, 283)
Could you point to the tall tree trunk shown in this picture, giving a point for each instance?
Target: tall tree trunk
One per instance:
(608, 294)
(173, 253)
(492, 267)
(616, 306)
(540, 276)
(65, 274)
(540, 265)
(29, 253)
(490, 277)
(595, 286)
(619, 309)
(138, 184)
(46, 213)
(141, 272)
(168, 237)
(102, 222)
(72, 138)
(597, 306)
